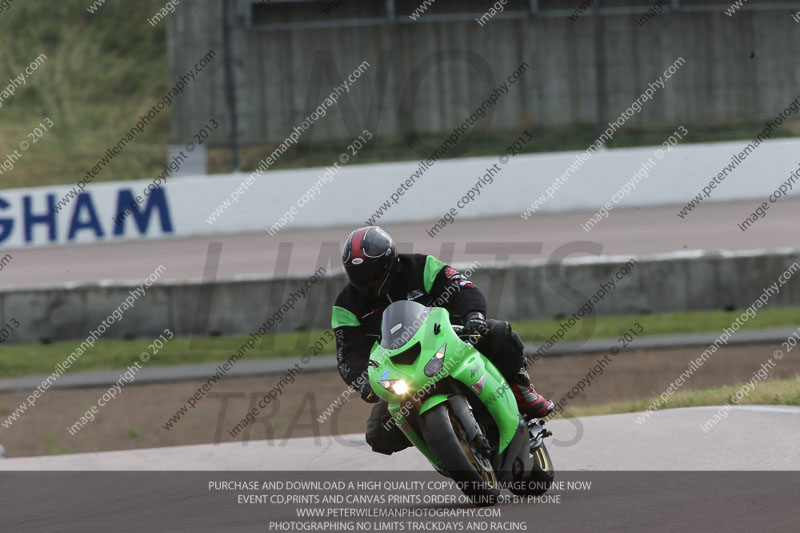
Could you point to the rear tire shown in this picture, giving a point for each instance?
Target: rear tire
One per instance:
(542, 476)
(469, 467)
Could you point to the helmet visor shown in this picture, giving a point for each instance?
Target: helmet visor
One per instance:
(368, 275)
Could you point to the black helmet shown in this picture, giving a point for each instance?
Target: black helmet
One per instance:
(369, 256)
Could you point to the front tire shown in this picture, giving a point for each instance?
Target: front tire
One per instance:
(466, 463)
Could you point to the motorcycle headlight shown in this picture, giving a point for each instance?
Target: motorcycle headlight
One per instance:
(397, 386)
(400, 387)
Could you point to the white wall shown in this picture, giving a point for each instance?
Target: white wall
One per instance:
(357, 191)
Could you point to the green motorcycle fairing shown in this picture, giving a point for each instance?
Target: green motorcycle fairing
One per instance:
(418, 349)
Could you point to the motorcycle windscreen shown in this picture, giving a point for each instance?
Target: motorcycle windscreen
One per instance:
(401, 321)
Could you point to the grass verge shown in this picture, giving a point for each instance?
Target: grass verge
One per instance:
(102, 71)
(28, 359)
(769, 392)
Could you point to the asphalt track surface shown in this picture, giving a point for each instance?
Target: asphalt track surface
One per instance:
(712, 226)
(668, 440)
(663, 475)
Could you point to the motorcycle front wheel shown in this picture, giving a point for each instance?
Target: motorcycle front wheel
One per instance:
(468, 463)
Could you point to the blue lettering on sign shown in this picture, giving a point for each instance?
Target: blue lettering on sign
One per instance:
(158, 200)
(84, 203)
(6, 224)
(49, 217)
(84, 217)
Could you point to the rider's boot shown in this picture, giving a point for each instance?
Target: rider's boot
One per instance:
(530, 403)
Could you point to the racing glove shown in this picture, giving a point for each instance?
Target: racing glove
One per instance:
(367, 394)
(475, 326)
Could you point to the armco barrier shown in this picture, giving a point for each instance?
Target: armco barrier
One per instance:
(534, 290)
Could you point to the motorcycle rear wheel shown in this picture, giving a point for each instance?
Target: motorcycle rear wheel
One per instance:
(542, 476)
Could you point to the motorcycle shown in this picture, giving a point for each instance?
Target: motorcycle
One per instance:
(455, 407)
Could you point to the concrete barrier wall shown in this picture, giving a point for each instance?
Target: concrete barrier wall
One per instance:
(426, 77)
(672, 282)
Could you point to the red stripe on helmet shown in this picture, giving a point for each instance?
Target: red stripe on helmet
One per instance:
(355, 244)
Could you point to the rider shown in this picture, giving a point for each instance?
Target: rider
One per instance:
(379, 276)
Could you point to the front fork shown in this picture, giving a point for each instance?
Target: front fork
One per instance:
(537, 432)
